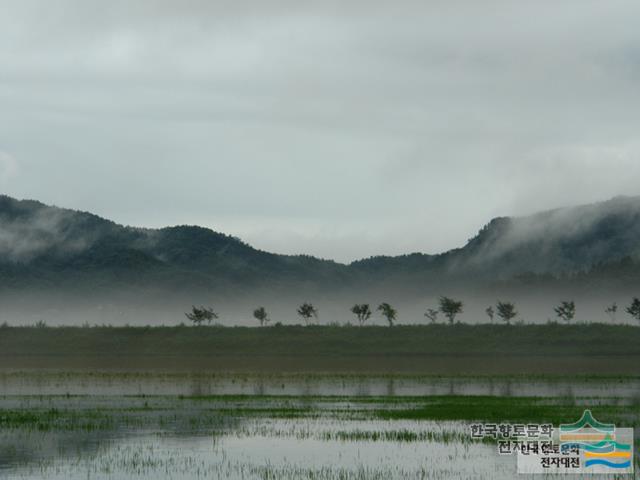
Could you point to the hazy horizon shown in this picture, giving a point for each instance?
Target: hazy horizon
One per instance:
(340, 131)
(524, 217)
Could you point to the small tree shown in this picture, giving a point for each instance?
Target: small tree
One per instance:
(450, 308)
(611, 310)
(362, 311)
(490, 313)
(261, 315)
(306, 311)
(634, 308)
(388, 312)
(506, 311)
(432, 315)
(199, 315)
(566, 310)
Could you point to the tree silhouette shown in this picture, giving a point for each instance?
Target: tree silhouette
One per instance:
(566, 310)
(432, 315)
(199, 315)
(506, 311)
(261, 315)
(634, 308)
(388, 312)
(490, 313)
(362, 311)
(306, 311)
(450, 308)
(611, 310)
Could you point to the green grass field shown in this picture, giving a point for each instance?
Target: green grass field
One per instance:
(458, 349)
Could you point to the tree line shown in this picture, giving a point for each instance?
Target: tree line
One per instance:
(450, 308)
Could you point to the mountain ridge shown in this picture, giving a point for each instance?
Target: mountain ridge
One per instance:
(49, 245)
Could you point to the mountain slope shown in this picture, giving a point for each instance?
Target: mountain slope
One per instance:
(561, 241)
(42, 245)
(49, 247)
(558, 241)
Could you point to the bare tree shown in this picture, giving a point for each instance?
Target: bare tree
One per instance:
(432, 315)
(611, 310)
(490, 313)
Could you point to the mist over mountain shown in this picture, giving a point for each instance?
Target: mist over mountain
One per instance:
(45, 246)
(51, 245)
(61, 253)
(563, 242)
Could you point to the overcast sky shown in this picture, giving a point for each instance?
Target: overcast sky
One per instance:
(382, 127)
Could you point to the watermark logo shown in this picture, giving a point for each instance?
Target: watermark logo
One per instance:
(586, 446)
(602, 447)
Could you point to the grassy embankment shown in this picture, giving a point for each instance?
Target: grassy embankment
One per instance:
(430, 349)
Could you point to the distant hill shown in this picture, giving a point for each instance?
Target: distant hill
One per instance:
(48, 248)
(45, 246)
(570, 241)
(563, 240)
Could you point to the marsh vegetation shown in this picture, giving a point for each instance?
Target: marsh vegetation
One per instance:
(114, 434)
(297, 402)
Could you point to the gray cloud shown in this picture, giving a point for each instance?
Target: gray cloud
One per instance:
(339, 130)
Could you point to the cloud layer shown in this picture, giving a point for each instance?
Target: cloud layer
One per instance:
(342, 131)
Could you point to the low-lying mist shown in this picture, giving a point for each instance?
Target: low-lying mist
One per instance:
(127, 308)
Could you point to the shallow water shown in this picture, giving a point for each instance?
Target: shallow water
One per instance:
(260, 449)
(135, 426)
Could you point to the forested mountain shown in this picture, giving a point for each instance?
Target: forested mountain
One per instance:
(45, 247)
